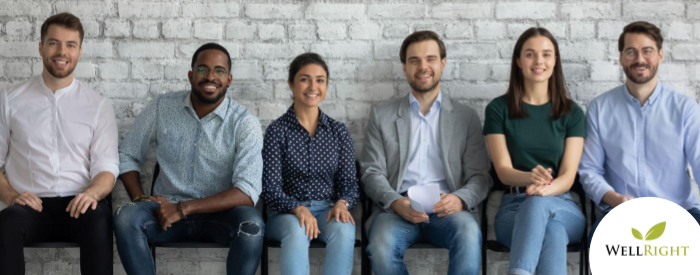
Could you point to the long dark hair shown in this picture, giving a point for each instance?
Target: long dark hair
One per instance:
(558, 93)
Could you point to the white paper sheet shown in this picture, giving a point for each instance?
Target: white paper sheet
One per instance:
(424, 197)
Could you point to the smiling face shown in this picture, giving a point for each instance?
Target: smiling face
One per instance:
(210, 77)
(537, 59)
(423, 67)
(640, 58)
(309, 87)
(60, 51)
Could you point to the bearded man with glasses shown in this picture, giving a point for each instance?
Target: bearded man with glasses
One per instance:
(209, 149)
(643, 134)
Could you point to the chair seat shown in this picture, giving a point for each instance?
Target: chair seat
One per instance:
(425, 245)
(53, 245)
(189, 245)
(498, 247)
(314, 244)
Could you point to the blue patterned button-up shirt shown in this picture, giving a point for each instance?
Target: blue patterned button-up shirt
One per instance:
(303, 168)
(198, 157)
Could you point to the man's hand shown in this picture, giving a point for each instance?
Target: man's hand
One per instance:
(402, 207)
(614, 199)
(340, 213)
(29, 199)
(168, 214)
(308, 220)
(80, 204)
(448, 204)
(158, 199)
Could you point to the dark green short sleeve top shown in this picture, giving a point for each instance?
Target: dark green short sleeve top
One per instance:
(537, 139)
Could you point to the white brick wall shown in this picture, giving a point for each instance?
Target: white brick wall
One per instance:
(137, 49)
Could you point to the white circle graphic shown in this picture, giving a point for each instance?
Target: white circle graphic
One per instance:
(646, 236)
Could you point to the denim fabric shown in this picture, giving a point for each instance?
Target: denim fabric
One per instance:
(390, 235)
(338, 236)
(537, 230)
(241, 227)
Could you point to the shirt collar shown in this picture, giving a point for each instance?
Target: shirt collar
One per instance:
(291, 117)
(654, 95)
(219, 111)
(58, 92)
(412, 101)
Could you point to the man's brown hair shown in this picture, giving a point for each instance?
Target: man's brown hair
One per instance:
(66, 20)
(418, 37)
(641, 27)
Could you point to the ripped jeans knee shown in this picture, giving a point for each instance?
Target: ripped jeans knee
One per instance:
(251, 229)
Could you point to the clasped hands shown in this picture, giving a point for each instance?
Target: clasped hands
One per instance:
(540, 182)
(448, 204)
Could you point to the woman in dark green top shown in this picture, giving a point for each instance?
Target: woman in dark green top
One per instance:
(535, 136)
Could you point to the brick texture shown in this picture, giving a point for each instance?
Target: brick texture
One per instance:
(135, 50)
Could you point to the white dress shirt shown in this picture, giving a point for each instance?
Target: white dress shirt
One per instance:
(53, 144)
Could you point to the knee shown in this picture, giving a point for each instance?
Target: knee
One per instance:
(344, 232)
(467, 230)
(101, 215)
(246, 221)
(11, 219)
(129, 217)
(382, 249)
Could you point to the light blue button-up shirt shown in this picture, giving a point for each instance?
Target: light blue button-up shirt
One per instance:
(198, 157)
(424, 164)
(641, 151)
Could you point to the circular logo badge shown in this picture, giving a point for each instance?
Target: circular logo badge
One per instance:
(646, 236)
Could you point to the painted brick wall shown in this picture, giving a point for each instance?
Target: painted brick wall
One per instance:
(135, 50)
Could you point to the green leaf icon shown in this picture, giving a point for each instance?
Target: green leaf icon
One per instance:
(656, 231)
(637, 234)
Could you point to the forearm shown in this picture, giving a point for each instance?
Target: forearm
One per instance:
(101, 185)
(7, 193)
(513, 177)
(610, 197)
(562, 184)
(224, 200)
(132, 184)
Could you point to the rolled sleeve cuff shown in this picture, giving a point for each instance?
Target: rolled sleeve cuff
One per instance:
(105, 167)
(128, 167)
(598, 193)
(249, 191)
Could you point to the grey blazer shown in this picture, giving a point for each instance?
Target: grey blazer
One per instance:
(386, 150)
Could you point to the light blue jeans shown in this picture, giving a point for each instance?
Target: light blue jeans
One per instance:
(537, 230)
(294, 257)
(390, 235)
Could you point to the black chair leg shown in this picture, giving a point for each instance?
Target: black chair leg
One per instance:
(263, 259)
(153, 255)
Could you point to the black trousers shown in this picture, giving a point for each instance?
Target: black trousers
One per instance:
(22, 225)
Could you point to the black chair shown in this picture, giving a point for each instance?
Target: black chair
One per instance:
(153, 246)
(580, 247)
(264, 268)
(366, 267)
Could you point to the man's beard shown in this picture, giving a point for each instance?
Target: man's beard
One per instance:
(420, 90)
(204, 99)
(640, 80)
(56, 73)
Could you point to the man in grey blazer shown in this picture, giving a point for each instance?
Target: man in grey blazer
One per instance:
(424, 138)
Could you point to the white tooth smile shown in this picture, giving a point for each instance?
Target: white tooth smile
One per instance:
(311, 95)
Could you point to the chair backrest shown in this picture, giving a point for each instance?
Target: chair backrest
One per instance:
(156, 171)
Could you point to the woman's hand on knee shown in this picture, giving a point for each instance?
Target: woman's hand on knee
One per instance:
(307, 220)
(341, 213)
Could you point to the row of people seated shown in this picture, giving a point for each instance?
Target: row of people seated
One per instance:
(60, 149)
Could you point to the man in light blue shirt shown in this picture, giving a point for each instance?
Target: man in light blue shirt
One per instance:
(641, 135)
(209, 149)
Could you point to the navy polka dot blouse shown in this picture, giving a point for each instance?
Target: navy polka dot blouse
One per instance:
(302, 168)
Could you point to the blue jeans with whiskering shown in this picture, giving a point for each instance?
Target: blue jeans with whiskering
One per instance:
(537, 230)
(241, 227)
(294, 257)
(390, 235)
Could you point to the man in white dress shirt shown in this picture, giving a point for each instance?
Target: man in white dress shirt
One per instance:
(58, 145)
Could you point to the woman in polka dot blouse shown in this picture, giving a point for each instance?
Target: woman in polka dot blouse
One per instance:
(309, 179)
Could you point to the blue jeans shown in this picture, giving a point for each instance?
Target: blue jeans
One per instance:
(294, 258)
(537, 230)
(693, 212)
(136, 225)
(390, 235)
